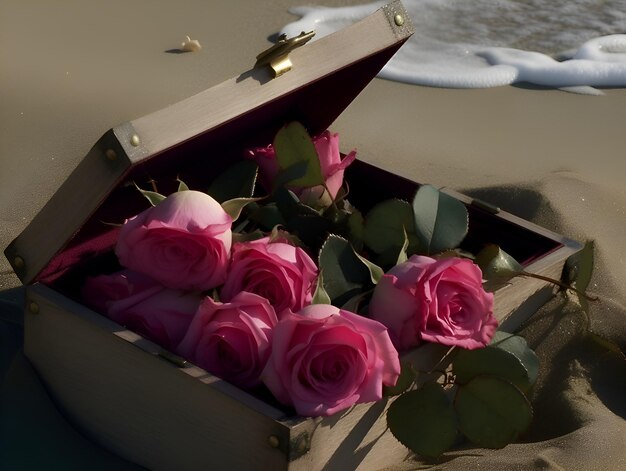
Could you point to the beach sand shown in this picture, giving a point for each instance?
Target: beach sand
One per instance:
(70, 70)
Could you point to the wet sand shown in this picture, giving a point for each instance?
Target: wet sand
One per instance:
(69, 70)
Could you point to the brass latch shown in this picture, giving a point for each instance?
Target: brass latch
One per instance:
(277, 56)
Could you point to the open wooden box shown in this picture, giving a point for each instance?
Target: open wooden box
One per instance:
(124, 391)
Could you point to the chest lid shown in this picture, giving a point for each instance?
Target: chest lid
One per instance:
(313, 85)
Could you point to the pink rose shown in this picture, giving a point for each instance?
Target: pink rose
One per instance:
(142, 305)
(278, 271)
(183, 242)
(231, 340)
(327, 147)
(325, 359)
(441, 301)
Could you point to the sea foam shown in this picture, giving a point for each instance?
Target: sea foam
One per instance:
(482, 43)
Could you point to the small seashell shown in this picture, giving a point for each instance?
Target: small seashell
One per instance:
(190, 45)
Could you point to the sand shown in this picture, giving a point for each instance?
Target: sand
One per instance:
(69, 70)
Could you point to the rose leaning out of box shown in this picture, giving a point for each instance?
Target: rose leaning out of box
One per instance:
(288, 290)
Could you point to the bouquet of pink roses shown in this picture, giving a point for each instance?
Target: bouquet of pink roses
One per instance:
(289, 288)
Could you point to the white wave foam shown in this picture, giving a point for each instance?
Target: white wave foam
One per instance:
(460, 44)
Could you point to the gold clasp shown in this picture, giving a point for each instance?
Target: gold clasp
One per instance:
(277, 56)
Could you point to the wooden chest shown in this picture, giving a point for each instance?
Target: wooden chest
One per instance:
(132, 397)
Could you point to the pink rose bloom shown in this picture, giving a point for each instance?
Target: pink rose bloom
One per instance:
(231, 340)
(142, 305)
(327, 147)
(325, 360)
(183, 242)
(278, 271)
(441, 301)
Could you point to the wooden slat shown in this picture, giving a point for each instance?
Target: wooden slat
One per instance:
(68, 209)
(140, 406)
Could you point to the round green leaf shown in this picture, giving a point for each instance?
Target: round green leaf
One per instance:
(508, 357)
(356, 228)
(491, 411)
(423, 420)
(405, 380)
(385, 226)
(441, 221)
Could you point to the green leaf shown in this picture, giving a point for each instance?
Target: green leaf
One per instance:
(294, 145)
(386, 225)
(507, 357)
(267, 216)
(289, 174)
(492, 412)
(237, 181)
(356, 228)
(498, 267)
(152, 196)
(423, 420)
(402, 256)
(344, 273)
(320, 296)
(182, 186)
(234, 207)
(311, 229)
(441, 221)
(353, 304)
(376, 272)
(290, 206)
(405, 380)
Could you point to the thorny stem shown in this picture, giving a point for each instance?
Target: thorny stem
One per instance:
(558, 283)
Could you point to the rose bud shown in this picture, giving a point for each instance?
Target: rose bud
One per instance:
(231, 340)
(142, 305)
(440, 301)
(278, 271)
(325, 359)
(332, 166)
(183, 242)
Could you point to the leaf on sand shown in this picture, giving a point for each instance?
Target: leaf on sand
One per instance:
(423, 420)
(507, 357)
(492, 412)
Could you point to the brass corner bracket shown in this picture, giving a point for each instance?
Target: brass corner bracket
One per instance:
(277, 56)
